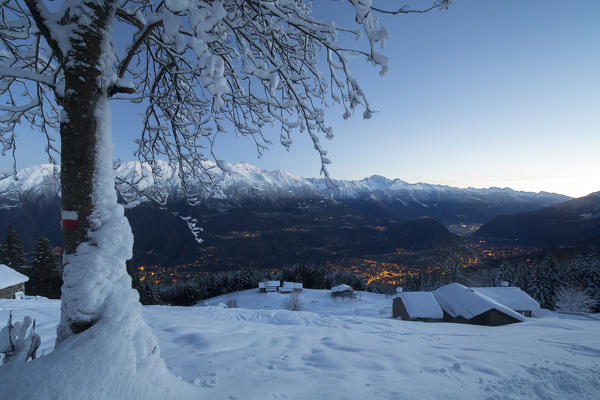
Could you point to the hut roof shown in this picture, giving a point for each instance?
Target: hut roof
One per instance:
(10, 277)
(421, 305)
(266, 284)
(461, 301)
(293, 285)
(512, 297)
(341, 288)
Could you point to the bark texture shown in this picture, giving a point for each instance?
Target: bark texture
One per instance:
(84, 87)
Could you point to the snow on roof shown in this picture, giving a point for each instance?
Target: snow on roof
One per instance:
(340, 288)
(10, 277)
(266, 284)
(421, 305)
(512, 297)
(458, 300)
(293, 285)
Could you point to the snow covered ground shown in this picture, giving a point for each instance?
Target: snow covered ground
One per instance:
(341, 349)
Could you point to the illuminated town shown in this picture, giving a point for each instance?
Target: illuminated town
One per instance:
(388, 269)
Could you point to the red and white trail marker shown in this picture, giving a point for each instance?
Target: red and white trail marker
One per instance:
(69, 220)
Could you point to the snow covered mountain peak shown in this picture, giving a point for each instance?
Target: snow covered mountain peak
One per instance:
(377, 181)
(242, 182)
(37, 182)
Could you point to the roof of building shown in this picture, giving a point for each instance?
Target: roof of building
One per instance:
(10, 277)
(341, 288)
(512, 297)
(460, 301)
(293, 285)
(265, 284)
(421, 305)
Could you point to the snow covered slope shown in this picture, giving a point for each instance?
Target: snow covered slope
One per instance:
(321, 302)
(348, 350)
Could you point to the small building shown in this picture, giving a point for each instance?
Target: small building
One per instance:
(512, 297)
(11, 282)
(467, 305)
(342, 290)
(289, 287)
(269, 286)
(417, 306)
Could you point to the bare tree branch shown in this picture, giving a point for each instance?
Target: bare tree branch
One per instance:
(441, 4)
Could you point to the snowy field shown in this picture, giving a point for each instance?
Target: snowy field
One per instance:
(352, 350)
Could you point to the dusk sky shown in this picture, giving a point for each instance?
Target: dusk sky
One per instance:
(487, 93)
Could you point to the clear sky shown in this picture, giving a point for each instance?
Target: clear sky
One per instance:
(487, 93)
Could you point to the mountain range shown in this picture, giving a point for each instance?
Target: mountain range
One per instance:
(246, 183)
(261, 218)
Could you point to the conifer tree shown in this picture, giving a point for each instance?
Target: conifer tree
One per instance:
(534, 285)
(552, 281)
(590, 279)
(11, 251)
(46, 273)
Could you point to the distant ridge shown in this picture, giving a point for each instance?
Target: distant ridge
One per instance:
(565, 223)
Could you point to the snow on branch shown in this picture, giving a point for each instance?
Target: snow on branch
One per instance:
(199, 69)
(239, 66)
(6, 72)
(16, 344)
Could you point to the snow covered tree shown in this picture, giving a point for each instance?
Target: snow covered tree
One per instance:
(515, 272)
(543, 281)
(197, 68)
(552, 280)
(11, 251)
(592, 280)
(574, 299)
(584, 272)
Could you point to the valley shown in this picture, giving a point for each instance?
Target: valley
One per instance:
(382, 229)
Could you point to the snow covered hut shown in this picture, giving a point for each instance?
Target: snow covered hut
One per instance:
(467, 305)
(11, 282)
(417, 306)
(269, 286)
(342, 290)
(512, 297)
(289, 287)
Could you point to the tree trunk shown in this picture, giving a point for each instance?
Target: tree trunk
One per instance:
(96, 292)
(85, 89)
